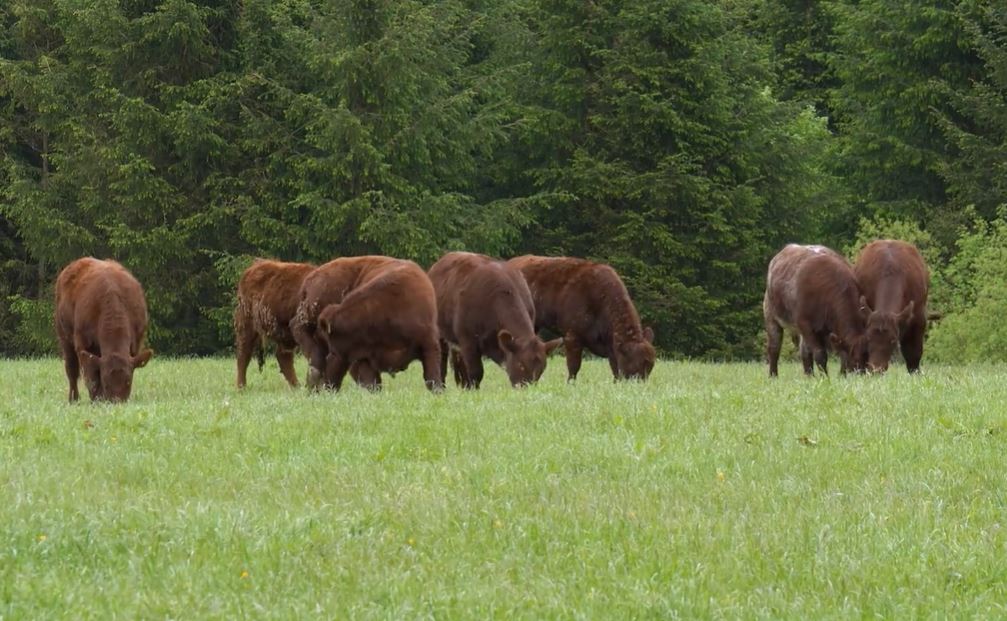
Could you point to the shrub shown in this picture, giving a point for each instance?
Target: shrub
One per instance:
(972, 293)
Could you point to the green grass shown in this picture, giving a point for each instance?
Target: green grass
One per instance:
(708, 492)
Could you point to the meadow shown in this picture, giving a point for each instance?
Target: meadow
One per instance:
(708, 492)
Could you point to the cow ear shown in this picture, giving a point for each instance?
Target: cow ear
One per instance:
(323, 325)
(89, 362)
(907, 312)
(550, 346)
(87, 358)
(506, 340)
(648, 334)
(865, 310)
(142, 358)
(837, 343)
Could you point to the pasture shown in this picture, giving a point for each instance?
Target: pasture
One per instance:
(708, 492)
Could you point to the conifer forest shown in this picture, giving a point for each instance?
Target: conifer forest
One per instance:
(684, 142)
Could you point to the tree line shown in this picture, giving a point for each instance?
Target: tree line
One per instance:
(682, 141)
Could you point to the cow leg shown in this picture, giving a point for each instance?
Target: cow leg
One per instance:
(366, 375)
(807, 358)
(912, 348)
(458, 368)
(822, 355)
(336, 366)
(809, 345)
(431, 359)
(813, 348)
(317, 365)
(72, 366)
(472, 362)
(285, 358)
(444, 362)
(774, 342)
(574, 356)
(315, 352)
(614, 365)
(245, 345)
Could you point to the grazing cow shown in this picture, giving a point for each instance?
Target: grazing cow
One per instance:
(267, 301)
(367, 315)
(101, 319)
(894, 280)
(811, 290)
(484, 308)
(587, 304)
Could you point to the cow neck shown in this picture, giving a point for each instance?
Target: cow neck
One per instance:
(509, 313)
(618, 310)
(114, 328)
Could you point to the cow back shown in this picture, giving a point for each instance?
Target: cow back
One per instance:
(780, 302)
(891, 274)
(477, 294)
(102, 304)
(274, 287)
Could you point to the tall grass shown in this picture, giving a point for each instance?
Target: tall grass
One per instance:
(709, 491)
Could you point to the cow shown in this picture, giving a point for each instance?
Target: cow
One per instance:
(895, 281)
(812, 291)
(267, 301)
(101, 321)
(367, 315)
(587, 304)
(484, 308)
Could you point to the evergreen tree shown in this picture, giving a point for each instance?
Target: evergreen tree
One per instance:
(800, 33)
(976, 172)
(388, 111)
(117, 155)
(890, 59)
(670, 158)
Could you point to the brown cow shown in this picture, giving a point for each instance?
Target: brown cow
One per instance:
(267, 301)
(895, 282)
(811, 290)
(374, 314)
(101, 319)
(485, 308)
(588, 305)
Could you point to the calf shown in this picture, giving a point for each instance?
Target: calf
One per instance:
(484, 308)
(267, 301)
(101, 319)
(812, 291)
(588, 305)
(895, 282)
(372, 314)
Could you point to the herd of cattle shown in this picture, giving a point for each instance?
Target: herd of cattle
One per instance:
(371, 315)
(862, 312)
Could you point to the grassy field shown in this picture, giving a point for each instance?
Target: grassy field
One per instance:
(709, 492)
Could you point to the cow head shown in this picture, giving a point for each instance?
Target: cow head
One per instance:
(365, 375)
(326, 360)
(524, 358)
(635, 359)
(883, 331)
(110, 377)
(852, 353)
